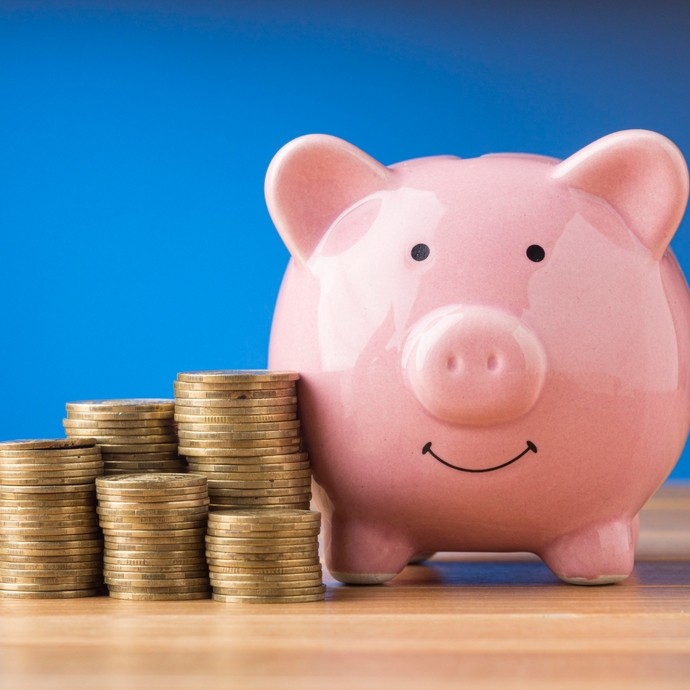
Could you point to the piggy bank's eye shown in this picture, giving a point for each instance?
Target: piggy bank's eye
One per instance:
(420, 252)
(535, 253)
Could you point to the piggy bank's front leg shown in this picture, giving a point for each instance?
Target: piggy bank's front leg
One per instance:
(364, 553)
(599, 554)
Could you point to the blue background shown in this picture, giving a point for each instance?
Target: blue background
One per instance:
(134, 138)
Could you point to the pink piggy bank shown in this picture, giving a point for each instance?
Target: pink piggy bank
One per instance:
(495, 352)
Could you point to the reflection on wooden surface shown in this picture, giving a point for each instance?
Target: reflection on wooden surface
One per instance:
(459, 620)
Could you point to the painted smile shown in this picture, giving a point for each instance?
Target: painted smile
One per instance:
(427, 449)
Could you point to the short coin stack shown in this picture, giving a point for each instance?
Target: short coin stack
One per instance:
(135, 435)
(154, 527)
(240, 429)
(50, 542)
(264, 555)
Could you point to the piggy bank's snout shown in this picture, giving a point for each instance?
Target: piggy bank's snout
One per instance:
(474, 365)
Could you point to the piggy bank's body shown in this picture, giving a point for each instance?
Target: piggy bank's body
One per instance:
(495, 352)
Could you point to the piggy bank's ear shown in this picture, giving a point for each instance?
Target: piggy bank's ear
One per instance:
(641, 174)
(313, 179)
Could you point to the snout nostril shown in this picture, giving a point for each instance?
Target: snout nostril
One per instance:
(492, 362)
(452, 364)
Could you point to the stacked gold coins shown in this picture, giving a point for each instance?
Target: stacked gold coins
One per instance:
(240, 429)
(134, 435)
(50, 542)
(154, 527)
(264, 555)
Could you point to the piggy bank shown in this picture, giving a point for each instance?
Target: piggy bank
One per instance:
(494, 352)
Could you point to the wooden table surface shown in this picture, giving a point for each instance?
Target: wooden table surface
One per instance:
(487, 621)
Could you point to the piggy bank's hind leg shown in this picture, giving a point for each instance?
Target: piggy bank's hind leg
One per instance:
(599, 554)
(362, 553)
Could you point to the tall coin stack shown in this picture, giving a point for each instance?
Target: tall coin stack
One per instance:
(134, 435)
(154, 527)
(265, 556)
(50, 543)
(240, 429)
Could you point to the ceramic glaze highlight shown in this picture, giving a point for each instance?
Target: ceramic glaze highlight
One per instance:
(495, 352)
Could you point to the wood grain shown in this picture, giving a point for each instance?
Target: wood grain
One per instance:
(475, 621)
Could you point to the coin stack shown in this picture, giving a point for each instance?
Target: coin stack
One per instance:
(264, 555)
(50, 543)
(240, 429)
(134, 435)
(154, 527)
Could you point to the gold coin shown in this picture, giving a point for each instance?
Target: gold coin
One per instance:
(48, 525)
(233, 394)
(157, 570)
(40, 469)
(232, 436)
(126, 532)
(275, 517)
(241, 386)
(234, 404)
(53, 576)
(61, 594)
(144, 497)
(310, 539)
(131, 405)
(154, 517)
(258, 569)
(237, 376)
(67, 583)
(40, 551)
(214, 451)
(40, 445)
(121, 416)
(126, 554)
(182, 584)
(142, 457)
(115, 468)
(73, 557)
(49, 511)
(48, 482)
(141, 578)
(129, 448)
(252, 461)
(268, 591)
(237, 413)
(120, 425)
(154, 507)
(253, 472)
(313, 577)
(235, 549)
(264, 535)
(150, 482)
(296, 493)
(280, 496)
(148, 521)
(170, 596)
(261, 480)
(163, 549)
(217, 480)
(131, 440)
(233, 420)
(145, 524)
(101, 435)
(46, 456)
(223, 556)
(289, 425)
(155, 502)
(243, 599)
